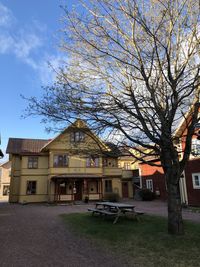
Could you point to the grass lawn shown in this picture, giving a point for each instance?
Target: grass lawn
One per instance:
(145, 243)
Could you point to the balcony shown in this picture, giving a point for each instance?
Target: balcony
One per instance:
(127, 174)
(112, 171)
(75, 170)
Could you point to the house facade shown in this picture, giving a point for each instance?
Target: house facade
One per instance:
(74, 165)
(5, 173)
(153, 177)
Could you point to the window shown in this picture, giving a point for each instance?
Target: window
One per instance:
(77, 136)
(127, 165)
(6, 190)
(149, 184)
(195, 149)
(108, 186)
(196, 180)
(32, 162)
(92, 161)
(60, 160)
(31, 188)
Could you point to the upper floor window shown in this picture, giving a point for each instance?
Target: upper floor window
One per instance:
(60, 160)
(127, 165)
(195, 149)
(77, 136)
(32, 162)
(92, 161)
(31, 188)
(196, 180)
(108, 162)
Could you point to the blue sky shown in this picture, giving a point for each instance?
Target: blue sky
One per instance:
(29, 39)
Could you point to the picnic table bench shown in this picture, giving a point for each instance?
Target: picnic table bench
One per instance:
(115, 210)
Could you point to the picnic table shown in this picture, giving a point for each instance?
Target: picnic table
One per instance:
(115, 210)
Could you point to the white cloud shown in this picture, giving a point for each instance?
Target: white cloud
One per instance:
(6, 16)
(27, 44)
(6, 43)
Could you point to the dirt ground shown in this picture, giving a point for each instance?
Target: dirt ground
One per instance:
(34, 235)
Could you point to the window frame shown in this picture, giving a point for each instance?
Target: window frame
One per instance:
(193, 180)
(31, 162)
(110, 187)
(94, 159)
(29, 191)
(77, 137)
(195, 147)
(149, 181)
(61, 165)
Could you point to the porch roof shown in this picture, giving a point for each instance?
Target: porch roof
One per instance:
(75, 176)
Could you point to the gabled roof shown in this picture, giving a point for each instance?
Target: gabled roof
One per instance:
(36, 146)
(23, 146)
(82, 126)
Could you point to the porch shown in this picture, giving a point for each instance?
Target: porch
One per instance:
(77, 188)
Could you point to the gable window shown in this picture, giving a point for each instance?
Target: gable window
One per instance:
(92, 161)
(196, 180)
(108, 186)
(149, 184)
(31, 188)
(60, 160)
(195, 149)
(77, 136)
(32, 162)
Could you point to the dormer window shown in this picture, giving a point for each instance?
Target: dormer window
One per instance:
(77, 136)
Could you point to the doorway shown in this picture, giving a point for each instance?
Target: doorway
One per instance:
(125, 189)
(78, 194)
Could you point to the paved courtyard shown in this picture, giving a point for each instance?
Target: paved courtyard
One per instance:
(34, 235)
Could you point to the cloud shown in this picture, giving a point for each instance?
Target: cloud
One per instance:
(6, 16)
(28, 43)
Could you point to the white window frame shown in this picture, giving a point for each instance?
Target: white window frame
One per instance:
(193, 180)
(149, 184)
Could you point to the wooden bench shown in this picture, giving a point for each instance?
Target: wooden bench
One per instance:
(102, 211)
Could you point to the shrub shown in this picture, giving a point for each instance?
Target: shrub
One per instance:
(147, 195)
(112, 197)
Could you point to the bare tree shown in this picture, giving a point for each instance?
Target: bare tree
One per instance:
(132, 69)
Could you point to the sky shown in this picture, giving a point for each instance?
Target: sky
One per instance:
(30, 33)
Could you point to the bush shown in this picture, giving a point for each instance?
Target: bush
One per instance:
(112, 197)
(147, 195)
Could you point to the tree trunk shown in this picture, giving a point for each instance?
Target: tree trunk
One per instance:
(175, 221)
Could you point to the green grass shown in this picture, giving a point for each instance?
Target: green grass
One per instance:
(145, 243)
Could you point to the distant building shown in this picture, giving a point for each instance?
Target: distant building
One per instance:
(5, 173)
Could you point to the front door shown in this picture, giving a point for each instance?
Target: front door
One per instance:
(125, 189)
(78, 194)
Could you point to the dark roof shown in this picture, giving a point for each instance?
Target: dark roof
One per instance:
(23, 146)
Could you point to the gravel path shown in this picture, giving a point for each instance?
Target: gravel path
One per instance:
(34, 235)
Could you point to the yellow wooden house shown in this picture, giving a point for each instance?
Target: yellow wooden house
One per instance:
(73, 166)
